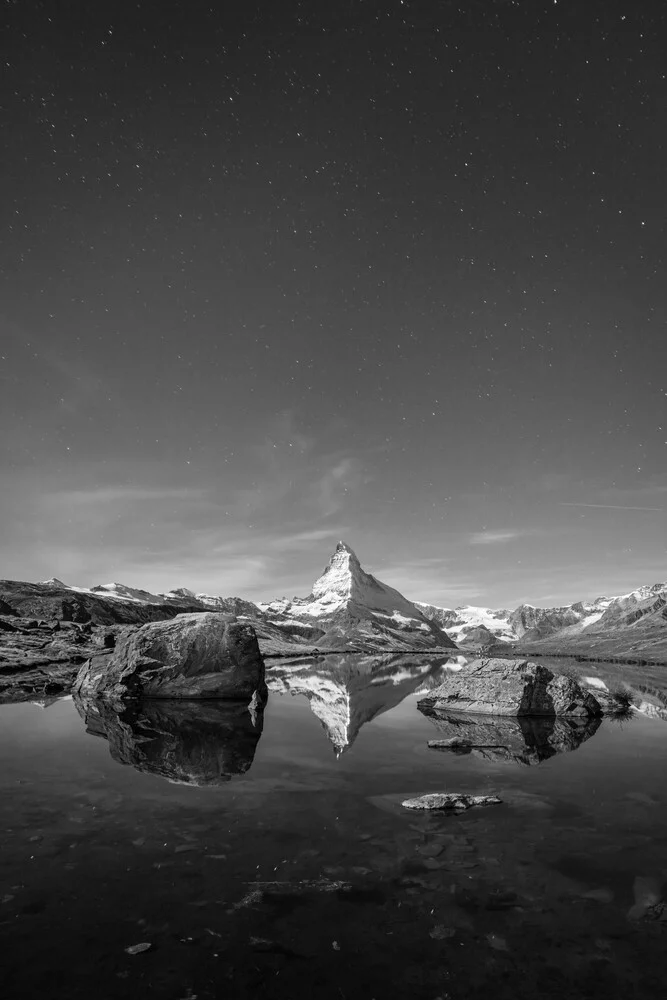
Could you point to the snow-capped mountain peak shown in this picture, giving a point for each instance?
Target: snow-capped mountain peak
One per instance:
(342, 574)
(344, 581)
(356, 610)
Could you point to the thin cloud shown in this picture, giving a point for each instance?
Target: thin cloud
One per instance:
(429, 580)
(495, 537)
(608, 506)
(330, 490)
(306, 538)
(120, 494)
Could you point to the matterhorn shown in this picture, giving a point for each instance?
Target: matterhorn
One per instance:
(355, 611)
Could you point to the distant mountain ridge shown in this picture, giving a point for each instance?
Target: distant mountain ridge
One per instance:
(629, 625)
(349, 609)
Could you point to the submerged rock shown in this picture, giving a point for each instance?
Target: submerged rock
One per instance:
(205, 655)
(649, 903)
(455, 801)
(189, 742)
(491, 686)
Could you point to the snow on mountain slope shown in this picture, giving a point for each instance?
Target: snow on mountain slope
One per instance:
(458, 622)
(124, 593)
(525, 621)
(630, 607)
(357, 611)
(632, 626)
(349, 608)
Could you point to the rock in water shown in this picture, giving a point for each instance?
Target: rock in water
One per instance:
(205, 655)
(455, 801)
(492, 686)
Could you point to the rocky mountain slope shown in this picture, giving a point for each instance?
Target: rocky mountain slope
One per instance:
(357, 611)
(460, 622)
(54, 600)
(633, 625)
(348, 609)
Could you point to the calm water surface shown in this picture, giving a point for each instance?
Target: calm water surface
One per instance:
(293, 870)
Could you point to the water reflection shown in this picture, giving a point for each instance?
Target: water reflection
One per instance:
(189, 742)
(519, 740)
(347, 691)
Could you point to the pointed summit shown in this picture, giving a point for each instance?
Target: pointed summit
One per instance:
(357, 611)
(339, 577)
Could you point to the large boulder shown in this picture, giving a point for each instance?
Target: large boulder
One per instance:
(205, 655)
(492, 686)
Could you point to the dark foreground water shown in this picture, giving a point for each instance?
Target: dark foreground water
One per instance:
(293, 871)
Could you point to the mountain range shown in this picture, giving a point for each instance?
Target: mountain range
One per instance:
(348, 609)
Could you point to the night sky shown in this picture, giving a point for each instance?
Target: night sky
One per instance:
(277, 273)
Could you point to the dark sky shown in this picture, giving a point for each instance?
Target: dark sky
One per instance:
(275, 273)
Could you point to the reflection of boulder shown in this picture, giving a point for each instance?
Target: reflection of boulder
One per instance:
(192, 742)
(347, 691)
(491, 686)
(207, 655)
(521, 740)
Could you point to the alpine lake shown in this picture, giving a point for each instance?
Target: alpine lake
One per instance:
(189, 851)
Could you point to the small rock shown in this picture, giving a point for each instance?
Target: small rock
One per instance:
(455, 743)
(441, 933)
(642, 798)
(648, 895)
(430, 850)
(599, 895)
(182, 848)
(501, 900)
(136, 949)
(455, 801)
(335, 945)
(497, 942)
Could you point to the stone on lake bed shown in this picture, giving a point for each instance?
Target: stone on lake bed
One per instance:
(455, 801)
(460, 745)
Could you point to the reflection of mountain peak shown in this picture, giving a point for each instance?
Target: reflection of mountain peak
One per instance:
(345, 692)
(187, 742)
